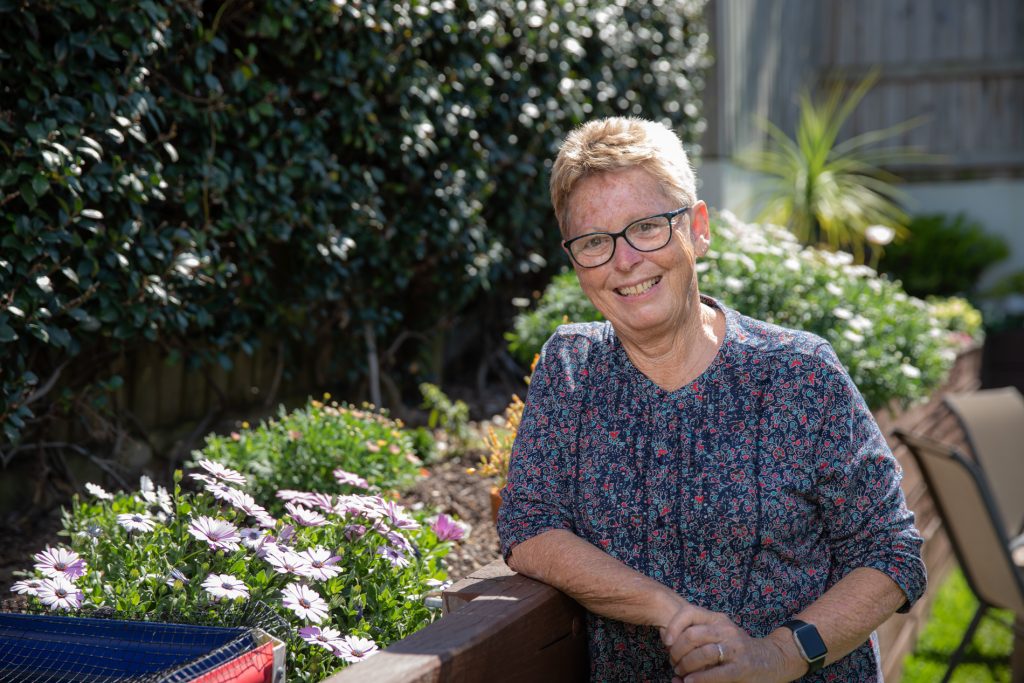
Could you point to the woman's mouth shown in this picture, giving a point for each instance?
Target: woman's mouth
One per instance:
(639, 288)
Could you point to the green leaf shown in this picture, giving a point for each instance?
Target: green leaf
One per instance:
(7, 333)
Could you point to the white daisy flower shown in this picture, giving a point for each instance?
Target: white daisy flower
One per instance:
(57, 592)
(305, 602)
(305, 516)
(98, 491)
(27, 586)
(223, 473)
(321, 563)
(225, 586)
(60, 562)
(285, 561)
(135, 521)
(218, 533)
(356, 649)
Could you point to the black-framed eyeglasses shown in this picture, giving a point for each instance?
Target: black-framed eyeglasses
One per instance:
(646, 234)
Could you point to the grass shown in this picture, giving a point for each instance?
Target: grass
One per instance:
(987, 658)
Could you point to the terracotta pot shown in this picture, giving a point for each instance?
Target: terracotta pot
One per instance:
(495, 502)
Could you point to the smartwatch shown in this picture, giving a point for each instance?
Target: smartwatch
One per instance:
(810, 644)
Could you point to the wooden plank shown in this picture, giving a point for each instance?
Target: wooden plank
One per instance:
(145, 389)
(513, 629)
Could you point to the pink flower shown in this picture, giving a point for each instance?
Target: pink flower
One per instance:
(305, 602)
(350, 479)
(372, 446)
(447, 529)
(225, 586)
(223, 473)
(355, 649)
(218, 533)
(59, 593)
(321, 563)
(60, 562)
(221, 491)
(326, 637)
(304, 516)
(354, 532)
(136, 521)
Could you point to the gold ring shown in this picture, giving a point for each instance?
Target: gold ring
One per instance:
(721, 653)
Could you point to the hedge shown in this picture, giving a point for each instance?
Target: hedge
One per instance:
(201, 175)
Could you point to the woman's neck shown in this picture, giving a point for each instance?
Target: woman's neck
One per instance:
(679, 356)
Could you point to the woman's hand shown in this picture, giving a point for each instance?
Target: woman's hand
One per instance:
(708, 647)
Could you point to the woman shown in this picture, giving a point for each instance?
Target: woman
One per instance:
(711, 488)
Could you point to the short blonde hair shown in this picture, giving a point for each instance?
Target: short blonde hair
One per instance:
(617, 143)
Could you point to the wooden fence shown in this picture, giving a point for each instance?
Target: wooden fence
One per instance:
(958, 64)
(499, 626)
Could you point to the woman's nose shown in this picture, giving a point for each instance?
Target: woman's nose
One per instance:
(625, 256)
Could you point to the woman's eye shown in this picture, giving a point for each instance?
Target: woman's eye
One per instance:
(595, 242)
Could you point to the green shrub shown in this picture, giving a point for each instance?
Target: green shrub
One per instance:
(145, 555)
(301, 449)
(943, 255)
(202, 174)
(895, 346)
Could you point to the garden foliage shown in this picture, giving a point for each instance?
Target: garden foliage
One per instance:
(205, 174)
(346, 568)
(895, 346)
(945, 255)
(301, 448)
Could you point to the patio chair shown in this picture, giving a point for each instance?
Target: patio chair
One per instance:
(993, 421)
(975, 529)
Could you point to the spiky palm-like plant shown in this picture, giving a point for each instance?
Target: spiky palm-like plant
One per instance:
(827, 192)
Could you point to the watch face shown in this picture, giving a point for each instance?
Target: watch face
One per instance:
(811, 642)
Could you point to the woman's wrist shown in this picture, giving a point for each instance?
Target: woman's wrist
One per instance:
(790, 661)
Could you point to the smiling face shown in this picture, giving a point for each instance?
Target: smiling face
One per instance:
(643, 294)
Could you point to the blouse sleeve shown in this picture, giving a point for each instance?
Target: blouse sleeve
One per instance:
(866, 516)
(536, 497)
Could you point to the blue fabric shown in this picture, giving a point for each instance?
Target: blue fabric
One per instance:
(750, 491)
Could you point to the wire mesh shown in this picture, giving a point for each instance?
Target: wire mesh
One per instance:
(98, 647)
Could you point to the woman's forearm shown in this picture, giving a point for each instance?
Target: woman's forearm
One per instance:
(598, 581)
(845, 615)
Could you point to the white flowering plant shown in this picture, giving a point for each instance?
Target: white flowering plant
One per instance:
(895, 346)
(349, 570)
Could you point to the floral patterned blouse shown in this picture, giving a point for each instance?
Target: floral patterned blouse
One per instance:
(749, 491)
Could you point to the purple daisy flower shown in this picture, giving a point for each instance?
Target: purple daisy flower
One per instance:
(60, 562)
(394, 556)
(326, 637)
(396, 513)
(220, 534)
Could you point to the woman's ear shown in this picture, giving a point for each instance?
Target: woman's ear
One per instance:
(700, 228)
